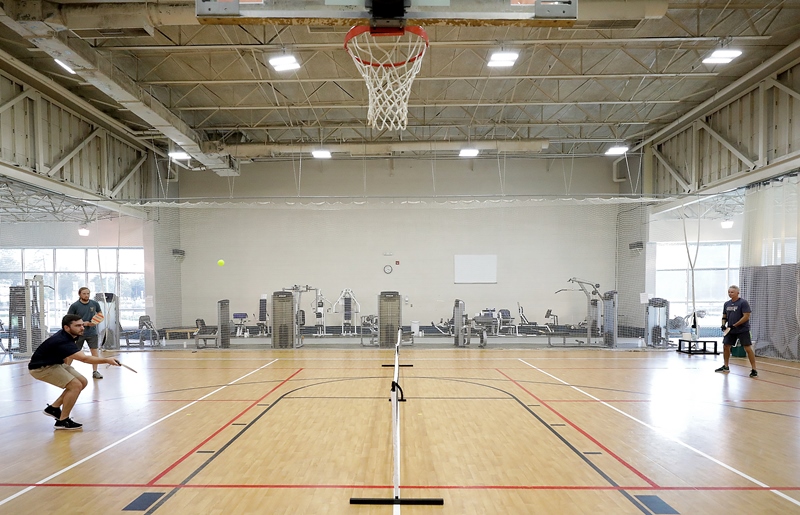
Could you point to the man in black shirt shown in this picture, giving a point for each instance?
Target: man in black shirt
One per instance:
(51, 363)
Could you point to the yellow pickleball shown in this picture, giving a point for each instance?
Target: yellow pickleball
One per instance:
(221, 262)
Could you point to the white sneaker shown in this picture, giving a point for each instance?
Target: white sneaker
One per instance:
(97, 375)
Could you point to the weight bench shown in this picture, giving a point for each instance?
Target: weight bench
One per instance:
(205, 333)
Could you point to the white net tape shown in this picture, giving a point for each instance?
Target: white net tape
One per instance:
(388, 65)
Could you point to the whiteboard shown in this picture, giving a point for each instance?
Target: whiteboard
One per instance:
(475, 269)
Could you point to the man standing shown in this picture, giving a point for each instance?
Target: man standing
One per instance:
(51, 363)
(736, 320)
(87, 309)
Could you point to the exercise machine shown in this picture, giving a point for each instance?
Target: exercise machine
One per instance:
(593, 299)
(292, 321)
(284, 320)
(390, 317)
(463, 326)
(240, 323)
(221, 335)
(319, 312)
(262, 322)
(350, 309)
(610, 325)
(26, 316)
(656, 332)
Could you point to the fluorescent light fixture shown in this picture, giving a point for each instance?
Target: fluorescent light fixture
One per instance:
(284, 62)
(83, 231)
(726, 224)
(500, 59)
(616, 150)
(722, 56)
(321, 154)
(468, 152)
(730, 54)
(64, 65)
(179, 155)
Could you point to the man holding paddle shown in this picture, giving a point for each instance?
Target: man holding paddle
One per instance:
(89, 310)
(51, 363)
(736, 326)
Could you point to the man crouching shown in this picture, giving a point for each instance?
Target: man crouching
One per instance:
(51, 363)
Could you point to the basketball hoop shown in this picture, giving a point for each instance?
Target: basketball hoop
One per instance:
(388, 60)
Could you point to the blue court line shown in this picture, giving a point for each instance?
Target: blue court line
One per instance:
(143, 502)
(656, 505)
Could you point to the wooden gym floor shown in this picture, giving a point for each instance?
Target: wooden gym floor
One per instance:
(489, 431)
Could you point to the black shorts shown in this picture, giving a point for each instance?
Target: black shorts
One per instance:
(744, 339)
(91, 341)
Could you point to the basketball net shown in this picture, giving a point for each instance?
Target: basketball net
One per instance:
(388, 62)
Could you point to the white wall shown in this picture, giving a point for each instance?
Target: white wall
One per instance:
(539, 246)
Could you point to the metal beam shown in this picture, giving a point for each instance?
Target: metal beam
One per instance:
(101, 72)
(22, 96)
(727, 144)
(672, 171)
(25, 176)
(439, 105)
(64, 160)
(128, 176)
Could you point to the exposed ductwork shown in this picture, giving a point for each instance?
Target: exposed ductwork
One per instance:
(254, 150)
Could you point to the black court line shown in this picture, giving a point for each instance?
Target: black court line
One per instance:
(564, 440)
(230, 442)
(206, 452)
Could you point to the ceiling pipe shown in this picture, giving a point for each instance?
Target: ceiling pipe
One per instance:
(254, 150)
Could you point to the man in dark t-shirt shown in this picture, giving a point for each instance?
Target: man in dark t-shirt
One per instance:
(51, 363)
(736, 326)
(88, 309)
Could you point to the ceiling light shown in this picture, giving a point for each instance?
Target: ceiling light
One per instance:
(468, 152)
(617, 150)
(722, 56)
(83, 230)
(63, 65)
(726, 224)
(730, 54)
(284, 62)
(321, 154)
(503, 59)
(179, 155)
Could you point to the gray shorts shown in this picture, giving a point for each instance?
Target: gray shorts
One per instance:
(57, 375)
(91, 341)
(744, 339)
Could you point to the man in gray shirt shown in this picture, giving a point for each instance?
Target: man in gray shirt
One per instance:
(86, 308)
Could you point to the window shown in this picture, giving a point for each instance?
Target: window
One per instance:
(65, 270)
(716, 268)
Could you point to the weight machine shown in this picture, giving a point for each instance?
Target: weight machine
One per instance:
(26, 316)
(463, 326)
(593, 321)
(350, 311)
(287, 317)
(319, 312)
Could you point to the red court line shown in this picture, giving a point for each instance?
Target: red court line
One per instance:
(581, 431)
(651, 400)
(215, 433)
(195, 400)
(413, 487)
